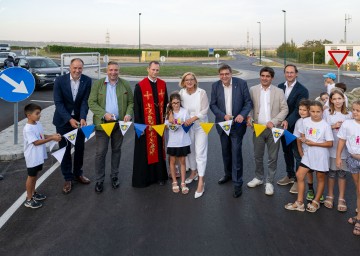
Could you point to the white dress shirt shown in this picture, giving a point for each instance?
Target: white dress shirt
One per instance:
(288, 88)
(264, 110)
(74, 88)
(228, 98)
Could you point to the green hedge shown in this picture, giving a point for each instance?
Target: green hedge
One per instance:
(131, 52)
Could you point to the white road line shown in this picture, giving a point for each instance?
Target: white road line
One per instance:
(9, 212)
(45, 101)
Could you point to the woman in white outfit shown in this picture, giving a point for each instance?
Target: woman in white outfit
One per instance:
(196, 102)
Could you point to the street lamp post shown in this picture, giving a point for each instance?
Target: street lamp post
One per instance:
(139, 40)
(284, 37)
(260, 39)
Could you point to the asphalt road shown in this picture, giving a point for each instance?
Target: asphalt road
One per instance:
(155, 221)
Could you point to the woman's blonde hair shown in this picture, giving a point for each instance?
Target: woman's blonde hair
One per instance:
(182, 82)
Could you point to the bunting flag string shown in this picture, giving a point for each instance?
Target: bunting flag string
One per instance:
(88, 130)
(186, 128)
(206, 127)
(108, 127)
(259, 128)
(277, 133)
(52, 144)
(71, 136)
(124, 126)
(59, 154)
(173, 127)
(159, 128)
(226, 126)
(139, 129)
(289, 137)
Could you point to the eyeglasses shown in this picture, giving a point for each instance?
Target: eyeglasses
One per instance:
(189, 80)
(175, 103)
(224, 74)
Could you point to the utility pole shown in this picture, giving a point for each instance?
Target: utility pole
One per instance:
(347, 21)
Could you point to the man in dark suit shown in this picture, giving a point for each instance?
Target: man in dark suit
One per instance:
(294, 93)
(230, 99)
(71, 93)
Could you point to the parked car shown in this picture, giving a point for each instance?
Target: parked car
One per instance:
(5, 48)
(3, 57)
(44, 69)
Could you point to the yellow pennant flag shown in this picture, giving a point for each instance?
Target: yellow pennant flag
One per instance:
(259, 128)
(206, 127)
(159, 129)
(108, 128)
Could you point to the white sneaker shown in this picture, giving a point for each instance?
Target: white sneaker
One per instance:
(254, 183)
(269, 189)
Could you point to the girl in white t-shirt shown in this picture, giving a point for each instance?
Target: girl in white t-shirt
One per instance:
(179, 141)
(349, 134)
(316, 134)
(335, 116)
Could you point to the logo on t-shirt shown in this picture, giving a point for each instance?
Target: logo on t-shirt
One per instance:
(312, 132)
(354, 140)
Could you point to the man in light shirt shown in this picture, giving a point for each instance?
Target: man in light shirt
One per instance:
(294, 93)
(230, 99)
(71, 93)
(270, 109)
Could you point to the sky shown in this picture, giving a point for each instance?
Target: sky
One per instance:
(179, 22)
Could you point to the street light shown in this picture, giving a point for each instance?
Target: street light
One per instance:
(284, 37)
(260, 39)
(139, 39)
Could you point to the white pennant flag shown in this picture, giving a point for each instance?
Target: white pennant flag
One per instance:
(71, 136)
(59, 154)
(124, 126)
(173, 127)
(52, 144)
(277, 133)
(226, 126)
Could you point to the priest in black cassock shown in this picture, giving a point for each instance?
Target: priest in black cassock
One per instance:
(150, 101)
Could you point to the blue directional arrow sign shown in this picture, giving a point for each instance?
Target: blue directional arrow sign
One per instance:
(16, 84)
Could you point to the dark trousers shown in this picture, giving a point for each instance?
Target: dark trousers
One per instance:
(232, 153)
(102, 145)
(289, 157)
(67, 169)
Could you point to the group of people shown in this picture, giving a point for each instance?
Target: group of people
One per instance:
(285, 106)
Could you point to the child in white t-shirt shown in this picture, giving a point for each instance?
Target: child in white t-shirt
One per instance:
(179, 141)
(34, 152)
(316, 134)
(349, 135)
(335, 116)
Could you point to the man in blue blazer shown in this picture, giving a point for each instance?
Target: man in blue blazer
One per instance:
(294, 93)
(71, 93)
(230, 99)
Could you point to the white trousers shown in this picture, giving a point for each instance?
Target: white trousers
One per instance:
(197, 159)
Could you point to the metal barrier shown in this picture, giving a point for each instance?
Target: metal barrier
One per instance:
(90, 59)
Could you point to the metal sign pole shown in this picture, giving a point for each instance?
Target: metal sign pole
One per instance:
(16, 119)
(338, 75)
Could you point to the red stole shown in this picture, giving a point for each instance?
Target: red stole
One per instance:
(149, 115)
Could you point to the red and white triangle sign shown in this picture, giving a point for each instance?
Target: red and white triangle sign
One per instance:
(338, 56)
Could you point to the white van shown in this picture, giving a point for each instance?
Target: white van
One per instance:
(5, 47)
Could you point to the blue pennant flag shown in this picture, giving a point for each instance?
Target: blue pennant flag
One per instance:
(289, 137)
(139, 129)
(186, 128)
(87, 130)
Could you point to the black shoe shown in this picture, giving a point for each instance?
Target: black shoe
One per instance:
(99, 187)
(115, 182)
(224, 179)
(161, 182)
(1, 177)
(237, 192)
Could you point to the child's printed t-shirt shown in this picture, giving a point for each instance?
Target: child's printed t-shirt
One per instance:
(350, 131)
(177, 136)
(316, 158)
(34, 155)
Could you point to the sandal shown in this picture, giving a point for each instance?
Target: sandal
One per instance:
(297, 206)
(342, 205)
(329, 202)
(356, 230)
(352, 220)
(311, 207)
(184, 188)
(175, 187)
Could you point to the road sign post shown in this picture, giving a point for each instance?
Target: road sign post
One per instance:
(338, 57)
(16, 84)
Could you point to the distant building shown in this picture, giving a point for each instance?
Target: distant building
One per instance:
(353, 57)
